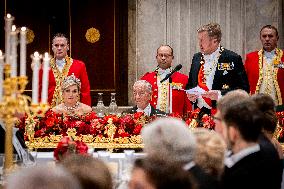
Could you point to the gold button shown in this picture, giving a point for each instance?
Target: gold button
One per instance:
(155, 77)
(155, 89)
(155, 96)
(155, 103)
(155, 83)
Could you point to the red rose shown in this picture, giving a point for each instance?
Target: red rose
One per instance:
(81, 147)
(137, 129)
(68, 146)
(50, 122)
(89, 117)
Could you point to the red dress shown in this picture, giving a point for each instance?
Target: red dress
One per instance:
(253, 73)
(180, 102)
(72, 66)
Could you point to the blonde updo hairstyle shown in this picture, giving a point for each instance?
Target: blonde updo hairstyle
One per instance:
(210, 151)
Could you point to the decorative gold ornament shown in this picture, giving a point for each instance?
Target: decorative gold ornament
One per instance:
(276, 62)
(92, 35)
(30, 36)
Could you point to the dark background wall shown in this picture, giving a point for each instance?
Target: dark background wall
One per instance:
(106, 59)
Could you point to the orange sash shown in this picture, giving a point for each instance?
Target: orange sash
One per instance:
(202, 83)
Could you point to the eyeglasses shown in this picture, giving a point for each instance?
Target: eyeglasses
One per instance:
(164, 55)
(216, 118)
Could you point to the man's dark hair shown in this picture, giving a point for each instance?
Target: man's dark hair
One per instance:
(166, 46)
(266, 105)
(270, 27)
(245, 117)
(61, 35)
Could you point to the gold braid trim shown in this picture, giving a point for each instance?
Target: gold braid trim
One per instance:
(279, 54)
(260, 77)
(59, 77)
(277, 59)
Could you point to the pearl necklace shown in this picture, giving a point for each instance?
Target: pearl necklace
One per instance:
(72, 108)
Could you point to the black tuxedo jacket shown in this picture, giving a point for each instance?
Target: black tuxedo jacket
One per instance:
(253, 171)
(154, 111)
(230, 73)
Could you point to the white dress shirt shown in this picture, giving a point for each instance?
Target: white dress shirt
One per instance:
(232, 160)
(147, 110)
(60, 64)
(210, 65)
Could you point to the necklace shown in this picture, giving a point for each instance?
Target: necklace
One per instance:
(207, 72)
(72, 108)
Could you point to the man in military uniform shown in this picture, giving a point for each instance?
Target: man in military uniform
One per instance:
(265, 68)
(215, 69)
(62, 66)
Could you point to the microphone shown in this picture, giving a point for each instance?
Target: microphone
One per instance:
(177, 68)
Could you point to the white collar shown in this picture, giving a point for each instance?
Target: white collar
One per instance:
(166, 71)
(232, 160)
(146, 110)
(189, 165)
(60, 62)
(212, 55)
(270, 54)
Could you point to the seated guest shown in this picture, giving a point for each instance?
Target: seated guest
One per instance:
(210, 151)
(91, 172)
(155, 173)
(269, 120)
(248, 166)
(71, 105)
(170, 138)
(42, 177)
(142, 92)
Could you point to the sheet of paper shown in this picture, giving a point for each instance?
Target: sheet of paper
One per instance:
(196, 90)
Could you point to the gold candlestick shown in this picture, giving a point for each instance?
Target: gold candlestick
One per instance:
(15, 104)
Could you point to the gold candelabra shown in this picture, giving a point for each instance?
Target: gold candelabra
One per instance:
(14, 105)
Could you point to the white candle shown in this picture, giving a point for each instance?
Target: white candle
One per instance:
(36, 62)
(45, 75)
(23, 51)
(14, 52)
(1, 75)
(8, 25)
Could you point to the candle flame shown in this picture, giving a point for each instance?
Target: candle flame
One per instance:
(46, 55)
(36, 54)
(23, 29)
(1, 53)
(13, 28)
(9, 16)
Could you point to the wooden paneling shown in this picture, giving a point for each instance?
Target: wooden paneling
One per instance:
(106, 60)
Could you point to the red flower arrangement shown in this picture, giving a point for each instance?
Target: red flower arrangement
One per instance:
(67, 146)
(279, 129)
(58, 124)
(126, 125)
(196, 119)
